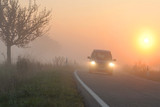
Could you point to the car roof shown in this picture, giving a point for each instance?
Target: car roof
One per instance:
(97, 50)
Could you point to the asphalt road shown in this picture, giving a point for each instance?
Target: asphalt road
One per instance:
(123, 90)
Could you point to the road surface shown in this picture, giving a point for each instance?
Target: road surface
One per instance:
(123, 90)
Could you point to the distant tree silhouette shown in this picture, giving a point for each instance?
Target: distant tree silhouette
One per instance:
(20, 25)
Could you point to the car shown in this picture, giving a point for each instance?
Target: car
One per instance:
(101, 61)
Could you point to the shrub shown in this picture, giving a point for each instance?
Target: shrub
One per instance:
(22, 64)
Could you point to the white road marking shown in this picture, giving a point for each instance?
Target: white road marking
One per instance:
(93, 94)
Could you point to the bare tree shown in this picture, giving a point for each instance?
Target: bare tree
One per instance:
(20, 25)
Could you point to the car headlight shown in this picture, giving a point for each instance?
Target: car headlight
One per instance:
(111, 64)
(93, 63)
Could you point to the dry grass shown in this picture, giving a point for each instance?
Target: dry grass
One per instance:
(42, 85)
(141, 70)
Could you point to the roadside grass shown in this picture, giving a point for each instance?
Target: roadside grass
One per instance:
(142, 72)
(150, 75)
(45, 87)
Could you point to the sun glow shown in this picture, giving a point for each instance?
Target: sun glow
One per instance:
(146, 42)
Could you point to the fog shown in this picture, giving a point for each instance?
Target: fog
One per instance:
(42, 49)
(78, 27)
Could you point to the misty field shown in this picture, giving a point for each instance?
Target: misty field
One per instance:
(41, 85)
(143, 71)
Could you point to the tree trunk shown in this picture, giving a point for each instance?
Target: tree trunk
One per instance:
(8, 54)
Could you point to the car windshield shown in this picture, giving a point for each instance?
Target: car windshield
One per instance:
(102, 56)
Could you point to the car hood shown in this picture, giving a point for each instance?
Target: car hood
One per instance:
(101, 61)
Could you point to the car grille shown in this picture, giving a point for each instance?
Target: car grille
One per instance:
(101, 65)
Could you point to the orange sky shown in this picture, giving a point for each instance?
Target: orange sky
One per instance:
(83, 25)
